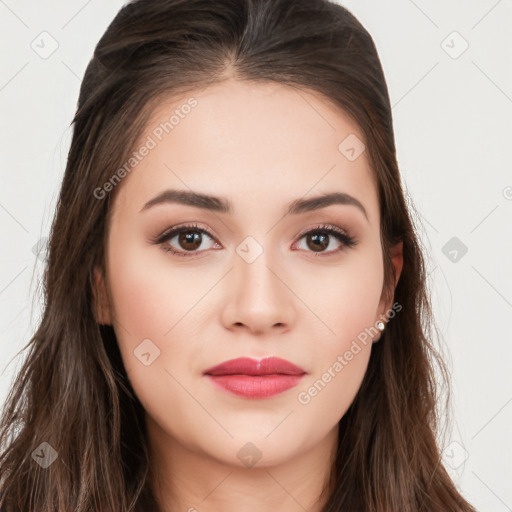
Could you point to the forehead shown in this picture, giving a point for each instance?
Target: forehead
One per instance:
(258, 144)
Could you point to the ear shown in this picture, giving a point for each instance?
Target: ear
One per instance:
(101, 306)
(397, 259)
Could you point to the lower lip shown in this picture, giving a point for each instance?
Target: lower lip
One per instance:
(250, 386)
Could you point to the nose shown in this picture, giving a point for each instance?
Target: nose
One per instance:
(258, 297)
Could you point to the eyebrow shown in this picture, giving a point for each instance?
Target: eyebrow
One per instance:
(223, 205)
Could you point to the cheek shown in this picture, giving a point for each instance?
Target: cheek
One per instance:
(347, 296)
(137, 294)
(347, 304)
(150, 296)
(150, 304)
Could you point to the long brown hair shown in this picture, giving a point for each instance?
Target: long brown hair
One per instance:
(72, 391)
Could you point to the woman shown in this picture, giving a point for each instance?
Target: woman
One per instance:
(226, 158)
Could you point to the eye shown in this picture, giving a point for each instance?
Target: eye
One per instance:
(319, 238)
(189, 239)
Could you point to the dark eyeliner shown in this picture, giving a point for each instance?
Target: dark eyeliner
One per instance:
(340, 234)
(170, 233)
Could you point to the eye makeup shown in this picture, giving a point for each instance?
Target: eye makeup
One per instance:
(193, 231)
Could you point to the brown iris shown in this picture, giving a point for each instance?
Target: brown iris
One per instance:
(190, 240)
(318, 241)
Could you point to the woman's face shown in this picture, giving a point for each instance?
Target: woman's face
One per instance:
(254, 284)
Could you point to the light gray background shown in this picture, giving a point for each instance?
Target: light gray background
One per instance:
(453, 125)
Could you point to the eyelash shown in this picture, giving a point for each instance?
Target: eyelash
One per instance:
(346, 240)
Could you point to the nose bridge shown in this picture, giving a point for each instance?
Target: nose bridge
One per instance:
(256, 267)
(260, 298)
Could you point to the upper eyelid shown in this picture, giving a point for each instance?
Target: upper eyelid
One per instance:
(176, 229)
(322, 226)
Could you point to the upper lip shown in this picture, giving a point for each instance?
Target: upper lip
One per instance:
(248, 366)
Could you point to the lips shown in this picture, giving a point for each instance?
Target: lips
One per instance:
(252, 378)
(247, 366)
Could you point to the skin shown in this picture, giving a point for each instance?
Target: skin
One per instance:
(260, 146)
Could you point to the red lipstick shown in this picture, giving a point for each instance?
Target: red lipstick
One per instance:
(252, 378)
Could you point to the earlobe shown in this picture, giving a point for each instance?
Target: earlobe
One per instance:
(101, 306)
